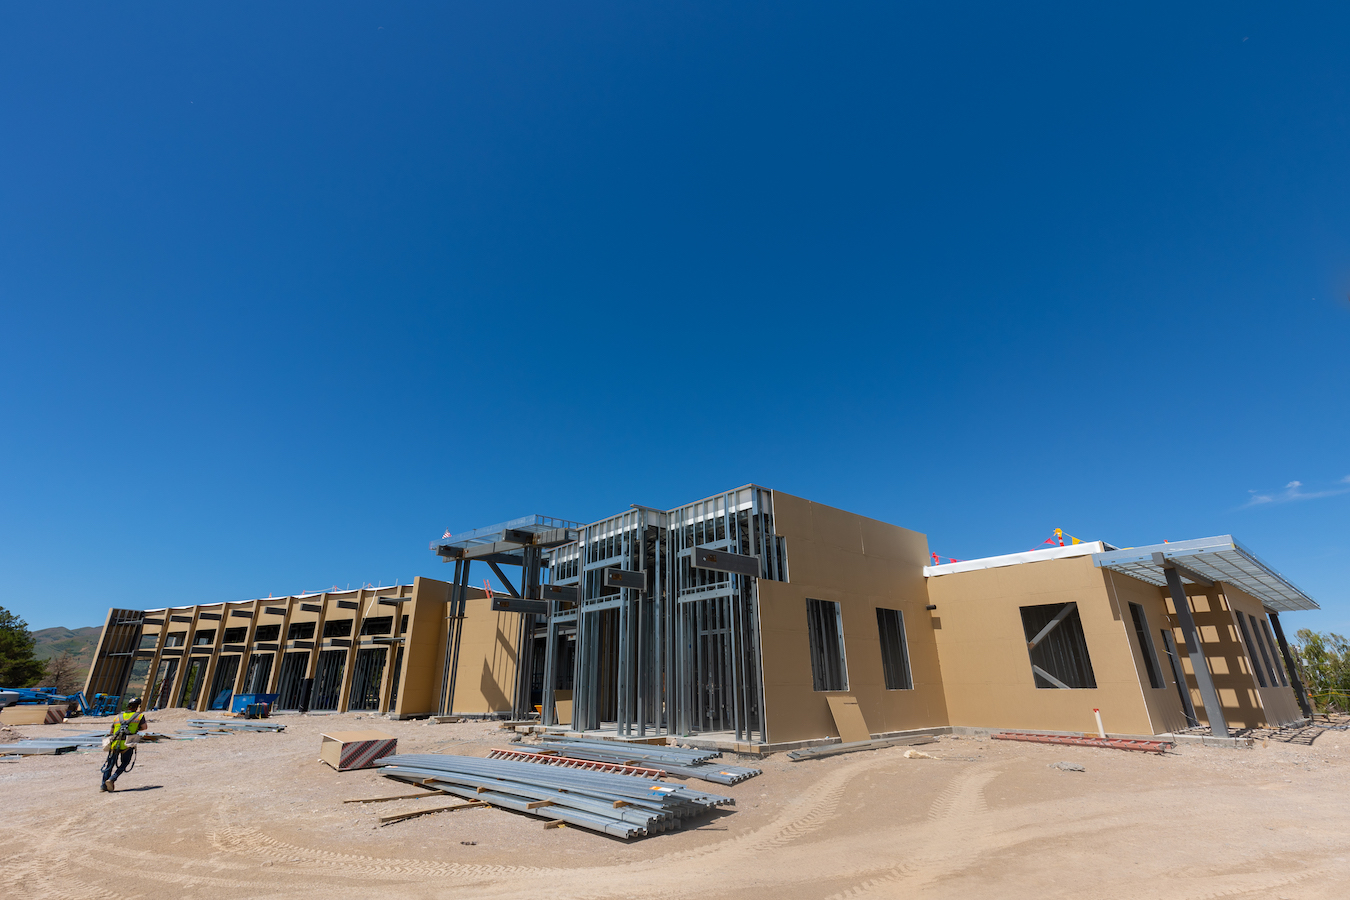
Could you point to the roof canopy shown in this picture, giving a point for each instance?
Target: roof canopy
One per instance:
(1216, 558)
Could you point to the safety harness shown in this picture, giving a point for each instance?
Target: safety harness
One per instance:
(121, 735)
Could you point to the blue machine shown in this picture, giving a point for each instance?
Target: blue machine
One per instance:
(103, 705)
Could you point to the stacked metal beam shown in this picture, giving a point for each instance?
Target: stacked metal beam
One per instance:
(686, 763)
(619, 805)
(208, 725)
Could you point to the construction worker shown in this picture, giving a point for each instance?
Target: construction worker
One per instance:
(121, 748)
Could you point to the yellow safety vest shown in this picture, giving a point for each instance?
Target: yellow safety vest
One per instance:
(132, 721)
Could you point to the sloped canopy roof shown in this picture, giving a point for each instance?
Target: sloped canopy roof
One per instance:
(1216, 558)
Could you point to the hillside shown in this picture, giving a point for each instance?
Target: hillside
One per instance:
(80, 643)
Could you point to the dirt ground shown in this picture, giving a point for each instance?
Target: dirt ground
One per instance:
(256, 815)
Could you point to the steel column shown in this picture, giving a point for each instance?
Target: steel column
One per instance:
(1209, 696)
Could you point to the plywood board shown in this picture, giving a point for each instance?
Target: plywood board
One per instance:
(562, 707)
(848, 718)
(32, 714)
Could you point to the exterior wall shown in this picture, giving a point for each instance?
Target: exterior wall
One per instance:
(1245, 703)
(862, 564)
(985, 665)
(1162, 704)
(1277, 701)
(485, 677)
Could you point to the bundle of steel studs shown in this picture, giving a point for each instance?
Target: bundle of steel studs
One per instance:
(621, 805)
(671, 760)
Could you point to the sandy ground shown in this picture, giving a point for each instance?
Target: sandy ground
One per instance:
(256, 815)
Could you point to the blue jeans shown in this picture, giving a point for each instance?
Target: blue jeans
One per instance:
(119, 758)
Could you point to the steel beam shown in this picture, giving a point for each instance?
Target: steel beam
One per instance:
(1209, 696)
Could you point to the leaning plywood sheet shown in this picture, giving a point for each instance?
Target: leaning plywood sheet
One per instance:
(346, 750)
(562, 705)
(848, 718)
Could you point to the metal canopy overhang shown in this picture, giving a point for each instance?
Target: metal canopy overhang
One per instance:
(1216, 558)
(509, 552)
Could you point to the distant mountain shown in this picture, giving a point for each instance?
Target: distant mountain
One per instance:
(80, 643)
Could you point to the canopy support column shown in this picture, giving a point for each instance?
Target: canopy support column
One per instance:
(1199, 665)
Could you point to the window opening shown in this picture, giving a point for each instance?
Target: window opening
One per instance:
(1057, 646)
(1251, 652)
(378, 625)
(267, 633)
(204, 638)
(235, 635)
(328, 679)
(1179, 676)
(367, 674)
(300, 631)
(1150, 655)
(259, 672)
(192, 682)
(825, 628)
(1263, 625)
(293, 666)
(894, 651)
(174, 638)
(337, 628)
(222, 686)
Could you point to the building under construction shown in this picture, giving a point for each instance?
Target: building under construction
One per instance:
(748, 617)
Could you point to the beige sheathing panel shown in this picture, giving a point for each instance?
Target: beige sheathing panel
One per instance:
(1226, 656)
(862, 564)
(1277, 703)
(486, 674)
(987, 670)
(419, 685)
(1163, 704)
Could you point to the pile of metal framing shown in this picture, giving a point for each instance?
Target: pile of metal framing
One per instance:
(196, 726)
(620, 805)
(55, 746)
(685, 763)
(649, 618)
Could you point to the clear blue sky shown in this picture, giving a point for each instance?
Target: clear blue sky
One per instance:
(288, 290)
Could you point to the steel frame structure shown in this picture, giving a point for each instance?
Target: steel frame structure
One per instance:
(683, 654)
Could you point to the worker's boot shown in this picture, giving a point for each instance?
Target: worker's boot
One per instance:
(109, 785)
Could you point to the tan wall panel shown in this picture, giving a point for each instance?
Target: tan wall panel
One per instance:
(419, 686)
(985, 665)
(1163, 704)
(1278, 702)
(828, 559)
(485, 677)
(1226, 656)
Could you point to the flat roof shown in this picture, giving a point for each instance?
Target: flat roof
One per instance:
(1016, 559)
(1216, 558)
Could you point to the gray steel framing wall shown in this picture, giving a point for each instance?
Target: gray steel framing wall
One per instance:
(681, 654)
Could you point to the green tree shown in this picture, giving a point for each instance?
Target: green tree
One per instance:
(18, 666)
(1324, 664)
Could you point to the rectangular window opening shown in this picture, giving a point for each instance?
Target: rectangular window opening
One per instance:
(1155, 678)
(1251, 649)
(1057, 646)
(204, 638)
(235, 635)
(175, 638)
(337, 628)
(267, 633)
(825, 629)
(1276, 670)
(894, 652)
(300, 631)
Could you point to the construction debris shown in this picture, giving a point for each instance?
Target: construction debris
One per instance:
(835, 749)
(1084, 741)
(399, 817)
(621, 805)
(917, 754)
(678, 761)
(204, 726)
(1067, 767)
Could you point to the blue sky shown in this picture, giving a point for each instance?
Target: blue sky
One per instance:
(285, 292)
